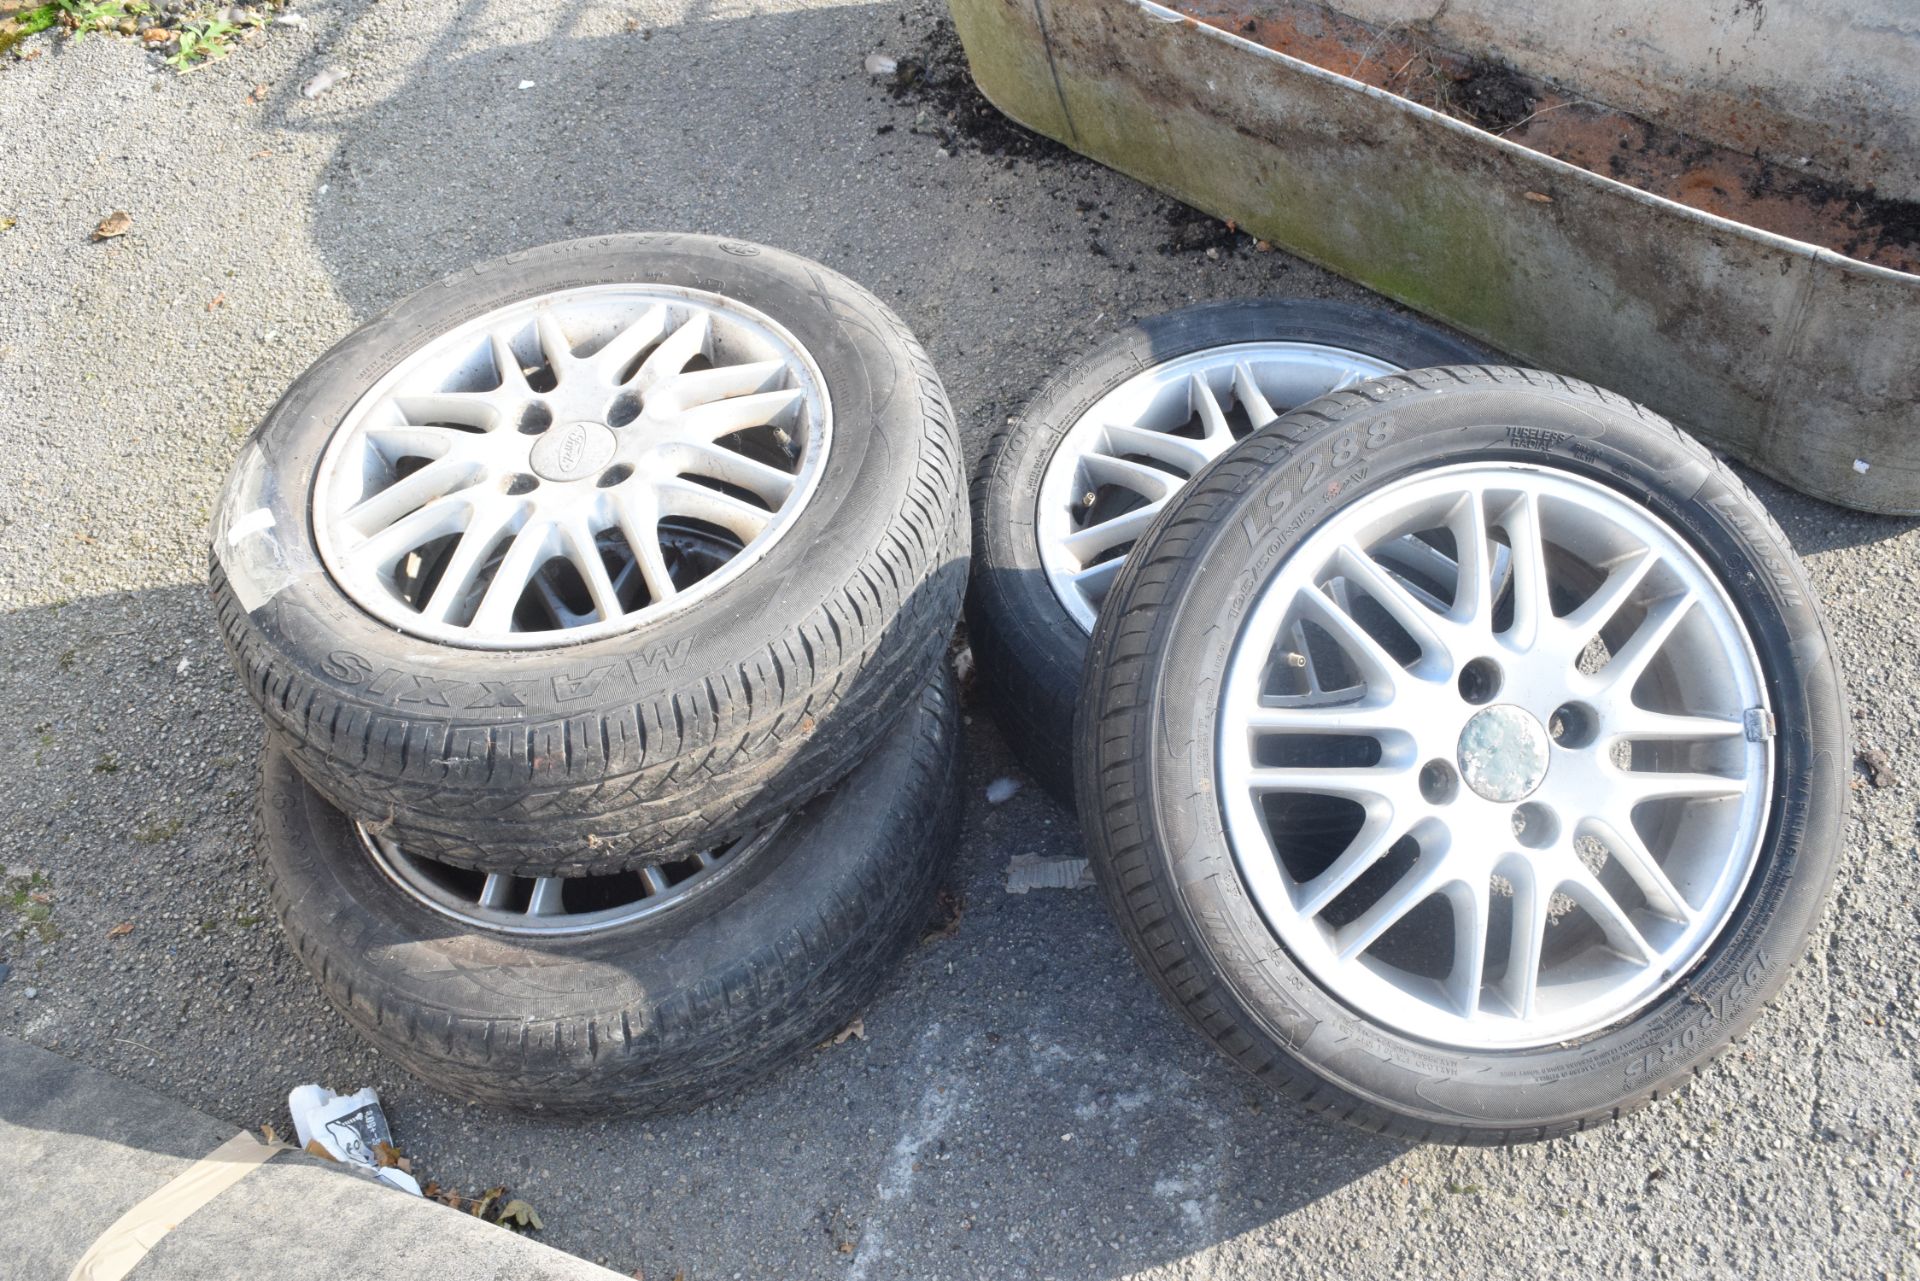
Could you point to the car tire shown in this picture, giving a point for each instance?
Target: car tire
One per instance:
(779, 947)
(1028, 643)
(1197, 712)
(772, 654)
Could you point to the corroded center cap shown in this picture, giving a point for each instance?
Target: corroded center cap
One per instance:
(572, 452)
(1503, 753)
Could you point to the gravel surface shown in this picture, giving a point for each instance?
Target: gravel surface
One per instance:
(1022, 1104)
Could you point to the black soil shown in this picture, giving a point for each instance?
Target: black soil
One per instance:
(953, 109)
(1493, 96)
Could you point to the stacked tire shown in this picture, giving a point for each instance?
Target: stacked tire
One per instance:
(598, 600)
(1460, 749)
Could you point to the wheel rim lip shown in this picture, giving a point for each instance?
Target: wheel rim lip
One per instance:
(1358, 984)
(406, 873)
(1329, 365)
(349, 433)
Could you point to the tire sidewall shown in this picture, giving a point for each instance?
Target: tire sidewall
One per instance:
(313, 627)
(391, 952)
(1009, 600)
(1394, 431)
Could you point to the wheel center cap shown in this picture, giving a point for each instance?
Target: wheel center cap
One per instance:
(572, 452)
(1503, 753)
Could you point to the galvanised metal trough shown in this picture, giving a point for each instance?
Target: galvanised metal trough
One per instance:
(1729, 239)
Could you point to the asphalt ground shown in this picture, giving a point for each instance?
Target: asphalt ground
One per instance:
(1021, 1105)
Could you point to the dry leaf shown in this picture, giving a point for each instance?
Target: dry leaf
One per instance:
(856, 1030)
(313, 1148)
(270, 1134)
(486, 1201)
(1539, 197)
(117, 223)
(1262, 247)
(385, 1155)
(521, 1214)
(121, 930)
(262, 155)
(258, 95)
(217, 300)
(6, 223)
(156, 35)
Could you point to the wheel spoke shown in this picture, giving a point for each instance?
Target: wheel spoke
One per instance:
(378, 553)
(404, 497)
(1521, 981)
(1622, 580)
(673, 354)
(772, 485)
(656, 880)
(724, 417)
(1213, 419)
(467, 408)
(583, 552)
(1473, 589)
(1641, 786)
(554, 343)
(1627, 665)
(525, 554)
(1357, 782)
(1123, 529)
(1638, 724)
(1251, 398)
(496, 891)
(1183, 452)
(1470, 913)
(1532, 597)
(1392, 595)
(684, 498)
(1376, 836)
(1623, 936)
(1148, 482)
(545, 900)
(1428, 875)
(640, 524)
(1376, 665)
(625, 347)
(461, 575)
(1624, 843)
(1373, 718)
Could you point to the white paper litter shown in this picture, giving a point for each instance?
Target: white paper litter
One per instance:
(879, 64)
(526, 84)
(1032, 872)
(322, 82)
(351, 1127)
(1860, 465)
(1002, 790)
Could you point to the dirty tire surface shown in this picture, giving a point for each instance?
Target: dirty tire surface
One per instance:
(664, 1012)
(1145, 754)
(684, 733)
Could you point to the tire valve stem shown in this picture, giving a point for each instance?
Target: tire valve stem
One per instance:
(1086, 499)
(1296, 659)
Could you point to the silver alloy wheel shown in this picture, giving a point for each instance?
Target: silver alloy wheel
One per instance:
(571, 466)
(553, 905)
(1124, 459)
(1495, 814)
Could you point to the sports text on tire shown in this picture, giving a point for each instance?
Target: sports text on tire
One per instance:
(597, 554)
(1125, 426)
(1490, 838)
(648, 990)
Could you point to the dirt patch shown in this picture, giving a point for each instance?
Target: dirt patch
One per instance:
(1745, 187)
(935, 78)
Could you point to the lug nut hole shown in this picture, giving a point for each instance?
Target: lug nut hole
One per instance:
(1535, 826)
(1439, 783)
(1480, 681)
(1573, 725)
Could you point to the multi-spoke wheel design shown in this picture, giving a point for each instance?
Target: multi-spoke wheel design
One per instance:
(571, 466)
(1494, 755)
(553, 905)
(1117, 467)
